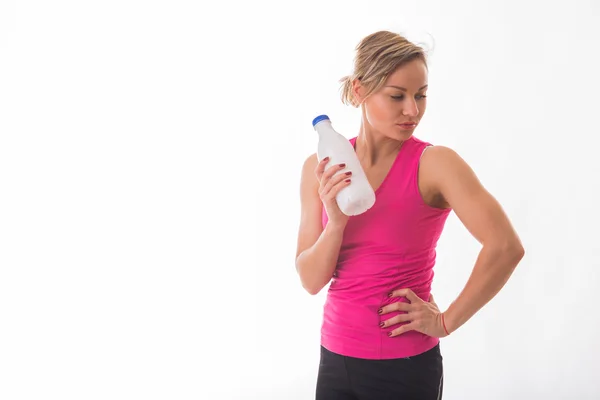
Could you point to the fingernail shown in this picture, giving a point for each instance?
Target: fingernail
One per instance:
(380, 310)
(381, 324)
(390, 334)
(342, 165)
(349, 173)
(390, 294)
(347, 180)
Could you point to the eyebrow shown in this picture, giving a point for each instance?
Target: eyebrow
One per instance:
(404, 89)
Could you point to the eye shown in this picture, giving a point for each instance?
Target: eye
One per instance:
(401, 97)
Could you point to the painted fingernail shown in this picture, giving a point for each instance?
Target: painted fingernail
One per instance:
(390, 334)
(390, 294)
(347, 180)
(349, 173)
(380, 310)
(342, 165)
(382, 324)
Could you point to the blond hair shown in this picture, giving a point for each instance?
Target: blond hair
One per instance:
(377, 56)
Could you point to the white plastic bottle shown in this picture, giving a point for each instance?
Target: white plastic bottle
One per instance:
(359, 196)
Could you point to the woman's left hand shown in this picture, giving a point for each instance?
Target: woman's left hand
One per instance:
(422, 316)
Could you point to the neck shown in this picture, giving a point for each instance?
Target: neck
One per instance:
(372, 146)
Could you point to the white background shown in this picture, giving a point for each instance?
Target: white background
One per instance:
(150, 156)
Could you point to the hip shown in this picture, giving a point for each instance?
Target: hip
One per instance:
(419, 376)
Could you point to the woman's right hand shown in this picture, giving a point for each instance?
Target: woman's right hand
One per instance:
(329, 187)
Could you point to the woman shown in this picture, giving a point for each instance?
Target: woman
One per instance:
(381, 326)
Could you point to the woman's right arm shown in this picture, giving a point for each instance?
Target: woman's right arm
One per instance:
(318, 249)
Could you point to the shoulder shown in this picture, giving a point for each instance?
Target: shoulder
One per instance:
(436, 164)
(309, 167)
(310, 164)
(442, 162)
(441, 156)
(446, 171)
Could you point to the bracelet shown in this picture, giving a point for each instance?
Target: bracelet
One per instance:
(444, 325)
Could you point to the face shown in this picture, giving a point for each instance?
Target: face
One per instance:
(397, 107)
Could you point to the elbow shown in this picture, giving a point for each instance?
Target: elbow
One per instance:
(516, 250)
(520, 252)
(513, 251)
(312, 290)
(308, 284)
(311, 285)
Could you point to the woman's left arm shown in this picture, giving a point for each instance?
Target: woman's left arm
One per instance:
(485, 219)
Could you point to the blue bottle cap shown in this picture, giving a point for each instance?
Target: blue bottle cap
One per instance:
(319, 119)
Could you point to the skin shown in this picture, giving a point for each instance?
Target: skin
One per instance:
(445, 181)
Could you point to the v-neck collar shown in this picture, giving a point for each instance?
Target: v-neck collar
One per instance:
(392, 167)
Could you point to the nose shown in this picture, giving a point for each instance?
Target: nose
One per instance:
(410, 108)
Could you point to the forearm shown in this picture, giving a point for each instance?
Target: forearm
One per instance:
(493, 268)
(316, 264)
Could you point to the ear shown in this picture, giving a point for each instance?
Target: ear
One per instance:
(358, 91)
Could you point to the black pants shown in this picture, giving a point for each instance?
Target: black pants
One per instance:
(347, 378)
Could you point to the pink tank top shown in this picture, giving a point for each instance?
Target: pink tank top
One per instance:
(391, 246)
